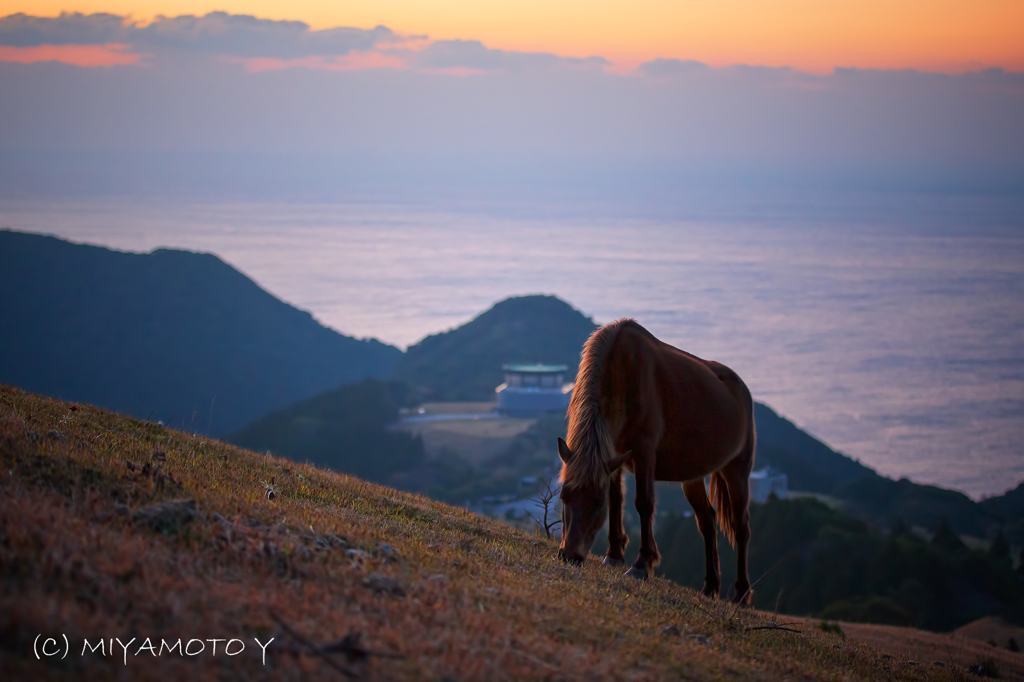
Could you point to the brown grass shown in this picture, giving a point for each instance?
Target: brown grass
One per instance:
(955, 649)
(994, 629)
(451, 596)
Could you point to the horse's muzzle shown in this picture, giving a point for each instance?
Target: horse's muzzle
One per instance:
(573, 560)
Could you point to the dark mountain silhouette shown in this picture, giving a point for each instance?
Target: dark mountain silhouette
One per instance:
(884, 499)
(810, 464)
(465, 363)
(1009, 504)
(172, 335)
(344, 429)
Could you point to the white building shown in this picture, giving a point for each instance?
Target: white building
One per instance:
(766, 481)
(530, 390)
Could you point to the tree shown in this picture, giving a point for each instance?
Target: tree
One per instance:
(545, 499)
(999, 549)
(946, 539)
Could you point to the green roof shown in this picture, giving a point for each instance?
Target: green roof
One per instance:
(538, 368)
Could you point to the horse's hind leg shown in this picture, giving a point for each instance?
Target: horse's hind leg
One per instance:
(737, 479)
(617, 538)
(697, 496)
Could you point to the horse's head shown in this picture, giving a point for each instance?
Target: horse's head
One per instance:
(584, 507)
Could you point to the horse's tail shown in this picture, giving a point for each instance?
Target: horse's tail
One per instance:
(723, 506)
(727, 520)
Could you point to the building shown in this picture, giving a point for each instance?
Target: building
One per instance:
(766, 481)
(532, 390)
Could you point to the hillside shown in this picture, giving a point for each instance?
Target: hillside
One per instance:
(116, 527)
(1010, 504)
(893, 576)
(169, 335)
(884, 500)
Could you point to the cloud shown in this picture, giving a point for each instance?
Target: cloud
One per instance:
(246, 36)
(21, 30)
(262, 44)
(667, 68)
(449, 55)
(235, 35)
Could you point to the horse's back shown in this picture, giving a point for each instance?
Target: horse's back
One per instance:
(700, 407)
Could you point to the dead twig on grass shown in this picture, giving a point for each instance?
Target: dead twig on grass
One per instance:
(350, 646)
(354, 651)
(773, 626)
(314, 649)
(739, 602)
(954, 666)
(533, 659)
(696, 603)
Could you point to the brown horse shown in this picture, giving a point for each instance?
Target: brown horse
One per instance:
(665, 415)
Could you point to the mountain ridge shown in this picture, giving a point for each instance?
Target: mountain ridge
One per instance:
(171, 334)
(464, 363)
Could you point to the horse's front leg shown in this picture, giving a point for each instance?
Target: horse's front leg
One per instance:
(617, 538)
(649, 557)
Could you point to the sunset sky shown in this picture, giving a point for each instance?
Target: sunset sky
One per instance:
(556, 94)
(948, 36)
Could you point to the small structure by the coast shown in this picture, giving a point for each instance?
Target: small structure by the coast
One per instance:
(532, 390)
(766, 481)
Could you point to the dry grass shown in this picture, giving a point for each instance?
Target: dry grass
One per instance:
(933, 649)
(438, 592)
(994, 629)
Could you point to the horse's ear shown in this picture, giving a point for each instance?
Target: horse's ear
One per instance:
(615, 462)
(563, 451)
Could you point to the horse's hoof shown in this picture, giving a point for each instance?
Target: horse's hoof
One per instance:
(608, 561)
(743, 599)
(638, 573)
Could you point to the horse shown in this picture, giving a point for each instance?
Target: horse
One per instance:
(665, 415)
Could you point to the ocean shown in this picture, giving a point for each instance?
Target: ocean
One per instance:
(894, 333)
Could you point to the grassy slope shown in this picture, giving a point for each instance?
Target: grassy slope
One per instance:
(954, 650)
(504, 608)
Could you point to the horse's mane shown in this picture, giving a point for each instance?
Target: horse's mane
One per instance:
(588, 436)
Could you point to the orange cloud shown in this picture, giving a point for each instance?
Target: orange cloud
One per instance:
(111, 54)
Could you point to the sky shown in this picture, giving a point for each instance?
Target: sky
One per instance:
(560, 93)
(950, 36)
